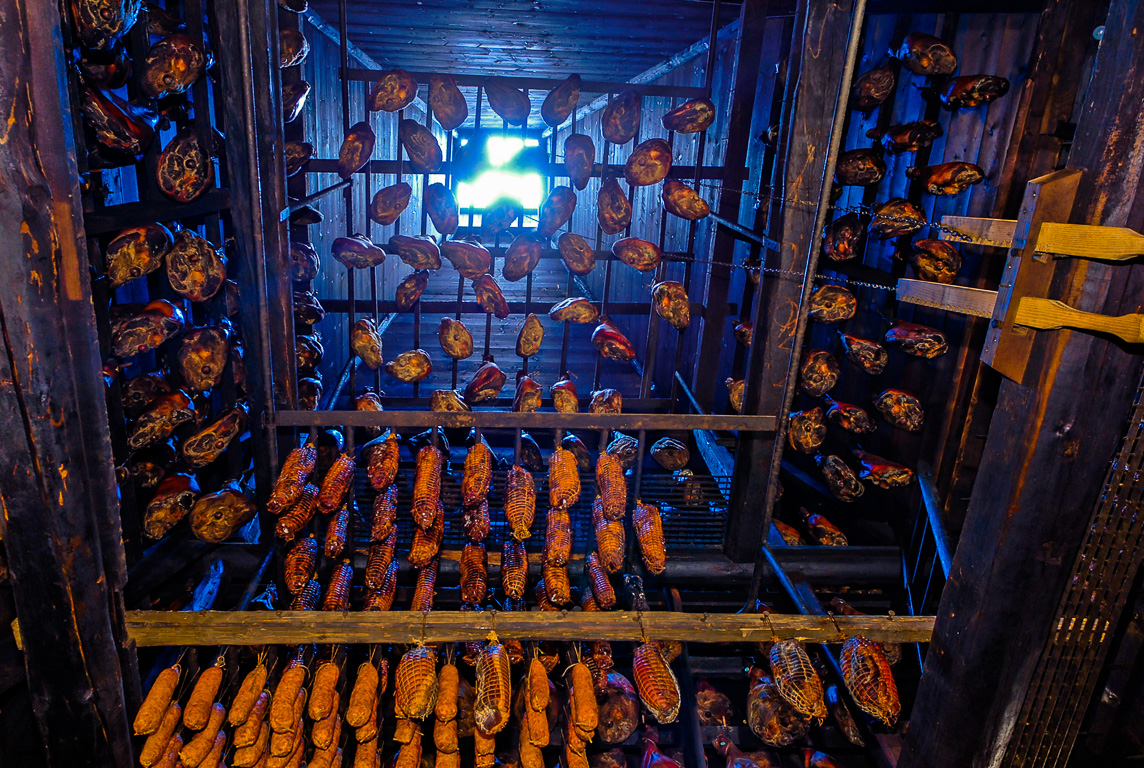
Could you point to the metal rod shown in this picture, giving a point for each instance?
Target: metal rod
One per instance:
(653, 319)
(745, 233)
(930, 501)
(688, 394)
(821, 211)
(545, 84)
(301, 203)
(329, 165)
(712, 41)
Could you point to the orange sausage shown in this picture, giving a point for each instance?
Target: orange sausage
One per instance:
(282, 702)
(247, 733)
(150, 714)
(248, 694)
(200, 746)
(157, 742)
(202, 698)
(363, 698)
(322, 690)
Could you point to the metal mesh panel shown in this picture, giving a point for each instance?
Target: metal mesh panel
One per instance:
(1090, 608)
(690, 524)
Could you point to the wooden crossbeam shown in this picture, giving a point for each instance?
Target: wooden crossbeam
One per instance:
(159, 628)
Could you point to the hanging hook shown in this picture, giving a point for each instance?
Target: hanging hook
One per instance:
(774, 636)
(841, 634)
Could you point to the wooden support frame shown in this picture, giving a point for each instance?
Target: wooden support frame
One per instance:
(818, 89)
(59, 498)
(1043, 464)
(154, 628)
(752, 23)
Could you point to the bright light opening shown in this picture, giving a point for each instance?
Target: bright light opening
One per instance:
(485, 189)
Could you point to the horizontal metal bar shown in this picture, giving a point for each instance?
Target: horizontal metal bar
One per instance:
(543, 83)
(636, 404)
(535, 420)
(117, 217)
(544, 169)
(303, 202)
(172, 628)
(745, 233)
(473, 308)
(826, 566)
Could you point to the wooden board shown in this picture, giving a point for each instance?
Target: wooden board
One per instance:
(154, 628)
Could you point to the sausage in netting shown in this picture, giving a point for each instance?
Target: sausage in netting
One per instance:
(150, 714)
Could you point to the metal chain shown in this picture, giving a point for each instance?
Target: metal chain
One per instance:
(860, 209)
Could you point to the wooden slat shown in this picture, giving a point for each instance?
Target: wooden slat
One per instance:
(595, 38)
(156, 628)
(547, 83)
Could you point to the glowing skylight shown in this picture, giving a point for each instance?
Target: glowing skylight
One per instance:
(481, 192)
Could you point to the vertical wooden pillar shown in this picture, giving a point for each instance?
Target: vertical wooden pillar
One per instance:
(752, 24)
(57, 483)
(813, 90)
(252, 114)
(1049, 447)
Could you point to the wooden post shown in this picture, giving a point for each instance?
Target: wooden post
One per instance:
(251, 110)
(1048, 449)
(815, 83)
(752, 23)
(59, 499)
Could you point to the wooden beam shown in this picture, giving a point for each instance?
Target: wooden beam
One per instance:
(513, 420)
(739, 133)
(154, 628)
(251, 106)
(1049, 446)
(820, 83)
(58, 495)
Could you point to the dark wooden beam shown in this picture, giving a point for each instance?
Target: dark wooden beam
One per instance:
(251, 113)
(752, 24)
(58, 495)
(1049, 446)
(817, 78)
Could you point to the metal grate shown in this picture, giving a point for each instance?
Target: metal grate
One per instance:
(1090, 608)
(692, 522)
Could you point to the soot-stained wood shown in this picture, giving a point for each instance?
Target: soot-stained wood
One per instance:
(598, 39)
(63, 540)
(254, 150)
(1047, 450)
(807, 135)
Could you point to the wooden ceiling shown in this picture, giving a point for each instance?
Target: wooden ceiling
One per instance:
(599, 39)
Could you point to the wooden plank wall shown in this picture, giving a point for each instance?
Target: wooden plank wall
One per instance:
(999, 44)
(626, 284)
(323, 127)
